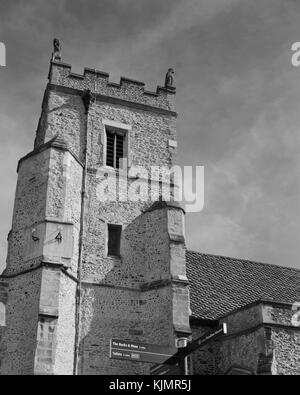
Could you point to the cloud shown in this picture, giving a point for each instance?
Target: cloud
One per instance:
(184, 16)
(237, 98)
(257, 214)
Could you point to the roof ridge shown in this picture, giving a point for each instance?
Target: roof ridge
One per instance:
(245, 260)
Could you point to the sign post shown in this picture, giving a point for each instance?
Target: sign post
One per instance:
(169, 361)
(140, 352)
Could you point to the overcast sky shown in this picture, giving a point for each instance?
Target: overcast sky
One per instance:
(238, 99)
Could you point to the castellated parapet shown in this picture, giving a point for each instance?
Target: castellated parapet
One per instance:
(65, 296)
(98, 83)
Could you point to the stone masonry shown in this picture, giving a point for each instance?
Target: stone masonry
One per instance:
(65, 298)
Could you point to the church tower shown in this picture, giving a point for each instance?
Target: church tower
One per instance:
(81, 268)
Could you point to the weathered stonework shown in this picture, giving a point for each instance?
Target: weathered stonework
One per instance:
(79, 297)
(261, 341)
(98, 82)
(62, 298)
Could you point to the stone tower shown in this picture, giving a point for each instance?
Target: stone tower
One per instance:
(81, 270)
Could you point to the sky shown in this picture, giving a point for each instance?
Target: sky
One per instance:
(238, 100)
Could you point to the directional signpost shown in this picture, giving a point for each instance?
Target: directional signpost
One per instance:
(140, 352)
(169, 361)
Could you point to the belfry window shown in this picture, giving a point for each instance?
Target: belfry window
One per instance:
(114, 240)
(114, 148)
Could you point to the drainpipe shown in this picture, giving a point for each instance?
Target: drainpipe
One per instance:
(87, 100)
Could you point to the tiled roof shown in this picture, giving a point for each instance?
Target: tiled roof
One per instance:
(219, 284)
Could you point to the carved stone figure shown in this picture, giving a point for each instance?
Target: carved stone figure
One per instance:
(56, 50)
(169, 82)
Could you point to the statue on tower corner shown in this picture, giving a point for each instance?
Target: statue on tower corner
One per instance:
(56, 56)
(169, 82)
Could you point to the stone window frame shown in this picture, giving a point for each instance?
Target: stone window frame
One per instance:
(114, 257)
(122, 128)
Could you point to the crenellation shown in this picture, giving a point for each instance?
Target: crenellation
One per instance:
(131, 81)
(103, 74)
(98, 82)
